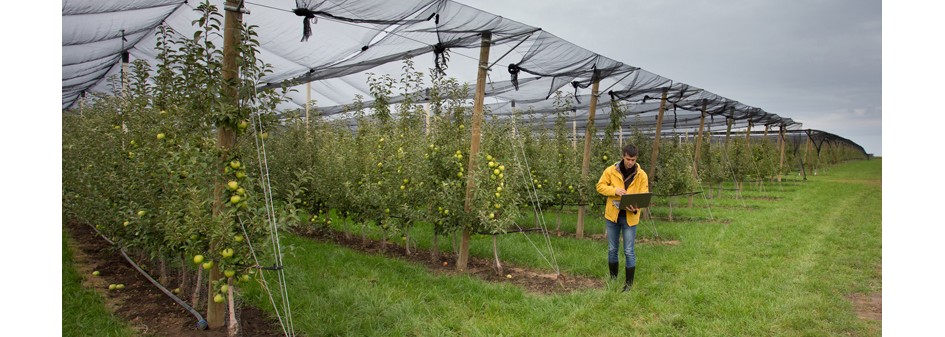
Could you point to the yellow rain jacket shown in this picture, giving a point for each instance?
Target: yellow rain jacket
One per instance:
(610, 180)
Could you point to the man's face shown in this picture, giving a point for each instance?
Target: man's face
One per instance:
(629, 161)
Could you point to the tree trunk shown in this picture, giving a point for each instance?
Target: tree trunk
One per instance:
(195, 298)
(344, 224)
(384, 240)
(163, 279)
(495, 253)
(435, 247)
(407, 239)
(463, 256)
(670, 208)
(214, 309)
(184, 284)
(558, 224)
(234, 327)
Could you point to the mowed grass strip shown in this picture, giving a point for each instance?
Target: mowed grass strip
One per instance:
(83, 310)
(783, 266)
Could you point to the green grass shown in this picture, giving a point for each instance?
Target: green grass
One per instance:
(83, 310)
(775, 262)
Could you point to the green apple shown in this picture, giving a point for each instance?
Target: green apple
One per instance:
(198, 259)
(232, 185)
(112, 286)
(141, 213)
(227, 252)
(229, 273)
(224, 288)
(160, 136)
(244, 278)
(218, 298)
(207, 265)
(120, 286)
(238, 238)
(235, 199)
(235, 164)
(96, 273)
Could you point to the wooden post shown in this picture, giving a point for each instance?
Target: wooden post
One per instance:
(728, 130)
(781, 165)
(585, 163)
(426, 113)
(463, 258)
(81, 102)
(620, 136)
(695, 165)
(125, 59)
(308, 101)
(656, 139)
(807, 162)
(748, 137)
(698, 154)
(226, 139)
(574, 132)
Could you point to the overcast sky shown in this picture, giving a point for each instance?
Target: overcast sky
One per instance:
(816, 62)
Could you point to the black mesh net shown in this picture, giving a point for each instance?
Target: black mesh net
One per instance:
(335, 46)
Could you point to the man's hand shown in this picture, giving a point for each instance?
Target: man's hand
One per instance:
(632, 209)
(620, 191)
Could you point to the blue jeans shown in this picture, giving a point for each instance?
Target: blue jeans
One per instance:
(614, 232)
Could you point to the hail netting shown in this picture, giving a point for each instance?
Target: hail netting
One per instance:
(336, 45)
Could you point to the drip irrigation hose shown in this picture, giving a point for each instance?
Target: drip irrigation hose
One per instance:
(201, 322)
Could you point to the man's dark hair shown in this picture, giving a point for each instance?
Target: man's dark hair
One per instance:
(630, 150)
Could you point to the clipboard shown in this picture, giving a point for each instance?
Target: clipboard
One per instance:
(638, 200)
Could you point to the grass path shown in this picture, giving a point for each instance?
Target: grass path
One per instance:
(773, 268)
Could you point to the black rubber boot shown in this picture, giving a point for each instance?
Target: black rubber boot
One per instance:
(613, 270)
(630, 271)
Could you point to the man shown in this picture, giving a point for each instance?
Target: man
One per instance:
(624, 177)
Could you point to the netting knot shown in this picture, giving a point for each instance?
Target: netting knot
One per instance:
(308, 15)
(576, 84)
(440, 57)
(513, 70)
